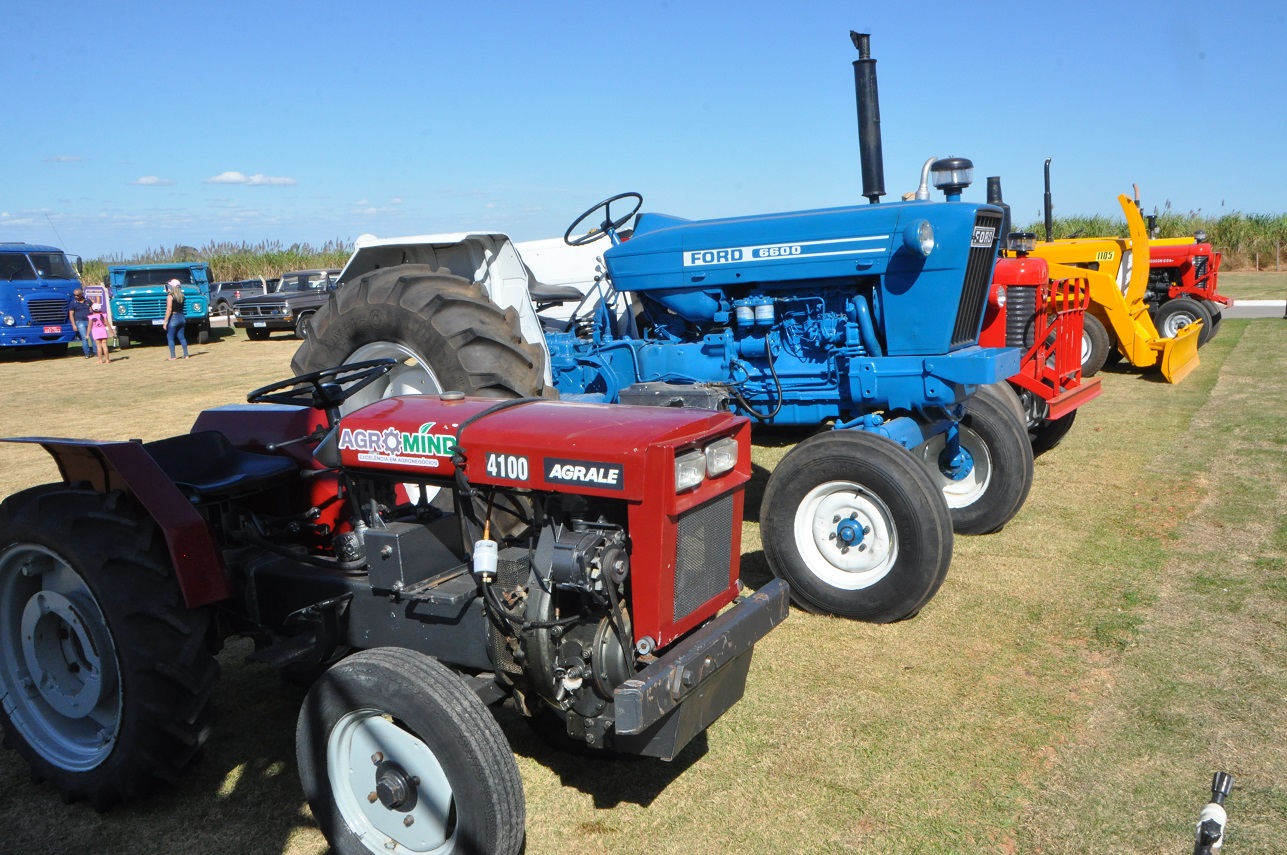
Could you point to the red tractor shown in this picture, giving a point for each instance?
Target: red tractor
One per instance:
(438, 553)
(1044, 319)
(1183, 276)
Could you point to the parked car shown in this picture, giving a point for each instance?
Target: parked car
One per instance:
(290, 307)
(224, 294)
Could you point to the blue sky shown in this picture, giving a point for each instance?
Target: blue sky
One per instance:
(147, 124)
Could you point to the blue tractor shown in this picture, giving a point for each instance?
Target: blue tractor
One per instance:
(864, 319)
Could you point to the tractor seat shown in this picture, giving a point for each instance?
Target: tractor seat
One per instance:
(206, 465)
(551, 295)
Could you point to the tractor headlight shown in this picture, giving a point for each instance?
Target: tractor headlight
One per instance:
(919, 237)
(690, 469)
(1000, 297)
(721, 456)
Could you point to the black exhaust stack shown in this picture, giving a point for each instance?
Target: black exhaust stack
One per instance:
(1050, 208)
(870, 151)
(994, 198)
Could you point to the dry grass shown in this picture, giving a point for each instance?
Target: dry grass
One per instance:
(1077, 679)
(1254, 286)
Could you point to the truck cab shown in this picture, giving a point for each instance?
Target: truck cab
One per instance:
(36, 285)
(138, 299)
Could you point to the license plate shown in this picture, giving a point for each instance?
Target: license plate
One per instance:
(53, 329)
(260, 323)
(158, 322)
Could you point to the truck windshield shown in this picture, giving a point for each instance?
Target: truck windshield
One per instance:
(159, 276)
(14, 267)
(52, 265)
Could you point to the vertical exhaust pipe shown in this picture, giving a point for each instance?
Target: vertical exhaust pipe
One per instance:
(870, 152)
(994, 198)
(1049, 206)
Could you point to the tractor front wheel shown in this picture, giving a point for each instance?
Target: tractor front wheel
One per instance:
(1095, 345)
(856, 527)
(397, 753)
(994, 488)
(1050, 433)
(1174, 315)
(106, 676)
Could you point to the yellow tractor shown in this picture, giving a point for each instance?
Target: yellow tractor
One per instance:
(1117, 323)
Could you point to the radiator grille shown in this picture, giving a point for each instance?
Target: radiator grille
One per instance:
(702, 554)
(1200, 265)
(47, 311)
(148, 307)
(1020, 306)
(978, 277)
(262, 310)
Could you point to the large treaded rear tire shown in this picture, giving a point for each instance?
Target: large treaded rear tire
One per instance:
(442, 325)
(825, 490)
(106, 675)
(443, 762)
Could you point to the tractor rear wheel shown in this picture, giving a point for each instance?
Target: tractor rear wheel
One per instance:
(106, 676)
(1095, 345)
(1174, 315)
(856, 527)
(996, 438)
(443, 329)
(397, 753)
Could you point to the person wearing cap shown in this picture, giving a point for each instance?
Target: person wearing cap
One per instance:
(175, 320)
(78, 316)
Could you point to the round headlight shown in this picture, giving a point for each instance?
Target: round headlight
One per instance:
(8, 320)
(1000, 298)
(919, 237)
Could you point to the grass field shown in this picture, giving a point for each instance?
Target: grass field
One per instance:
(1254, 286)
(1072, 687)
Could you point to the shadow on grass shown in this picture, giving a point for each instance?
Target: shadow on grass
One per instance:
(610, 779)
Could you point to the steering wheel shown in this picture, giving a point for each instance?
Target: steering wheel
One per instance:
(608, 225)
(325, 389)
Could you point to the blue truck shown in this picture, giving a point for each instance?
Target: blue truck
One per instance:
(36, 285)
(138, 300)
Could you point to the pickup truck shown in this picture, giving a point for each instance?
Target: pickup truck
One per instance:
(290, 307)
(224, 294)
(138, 299)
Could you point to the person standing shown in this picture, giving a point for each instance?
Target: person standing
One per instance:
(78, 315)
(175, 320)
(99, 330)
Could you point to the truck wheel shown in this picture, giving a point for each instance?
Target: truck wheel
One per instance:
(256, 335)
(444, 329)
(203, 336)
(1175, 315)
(995, 488)
(302, 325)
(1094, 345)
(122, 341)
(106, 676)
(1050, 433)
(856, 527)
(396, 753)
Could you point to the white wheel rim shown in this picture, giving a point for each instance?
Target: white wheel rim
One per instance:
(860, 565)
(59, 676)
(1085, 348)
(357, 747)
(1176, 322)
(968, 490)
(412, 377)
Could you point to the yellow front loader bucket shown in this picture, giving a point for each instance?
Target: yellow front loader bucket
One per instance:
(1179, 354)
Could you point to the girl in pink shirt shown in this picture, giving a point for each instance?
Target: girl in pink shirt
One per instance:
(99, 330)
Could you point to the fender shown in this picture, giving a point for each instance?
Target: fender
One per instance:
(107, 466)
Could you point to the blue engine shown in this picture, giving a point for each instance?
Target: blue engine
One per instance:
(831, 315)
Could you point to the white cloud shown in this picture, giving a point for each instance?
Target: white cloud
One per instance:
(256, 180)
(151, 181)
(396, 200)
(361, 203)
(64, 158)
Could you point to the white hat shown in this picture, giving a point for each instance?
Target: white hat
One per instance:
(97, 307)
